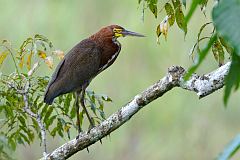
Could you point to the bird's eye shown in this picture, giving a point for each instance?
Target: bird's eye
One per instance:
(117, 30)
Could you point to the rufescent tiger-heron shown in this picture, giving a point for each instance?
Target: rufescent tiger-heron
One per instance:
(84, 62)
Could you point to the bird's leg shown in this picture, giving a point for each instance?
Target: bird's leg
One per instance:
(77, 112)
(84, 107)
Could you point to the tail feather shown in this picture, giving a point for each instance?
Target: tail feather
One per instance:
(49, 95)
(48, 98)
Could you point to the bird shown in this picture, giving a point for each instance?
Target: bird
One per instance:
(83, 63)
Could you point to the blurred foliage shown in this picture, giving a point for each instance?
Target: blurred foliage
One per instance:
(5, 150)
(17, 126)
(225, 36)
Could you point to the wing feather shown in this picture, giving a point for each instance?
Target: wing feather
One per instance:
(78, 67)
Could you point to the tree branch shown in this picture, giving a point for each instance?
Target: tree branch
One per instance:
(35, 116)
(202, 85)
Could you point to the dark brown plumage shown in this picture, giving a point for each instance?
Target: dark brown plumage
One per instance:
(85, 61)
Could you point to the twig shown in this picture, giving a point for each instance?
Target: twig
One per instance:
(36, 116)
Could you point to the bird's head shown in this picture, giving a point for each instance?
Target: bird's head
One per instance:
(116, 31)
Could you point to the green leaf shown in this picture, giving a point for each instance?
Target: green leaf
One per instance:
(44, 110)
(50, 121)
(170, 12)
(106, 98)
(54, 131)
(203, 4)
(73, 111)
(35, 125)
(81, 117)
(201, 57)
(9, 111)
(24, 44)
(233, 77)
(231, 149)
(24, 137)
(60, 125)
(153, 7)
(176, 4)
(67, 103)
(226, 45)
(48, 114)
(180, 18)
(22, 121)
(226, 20)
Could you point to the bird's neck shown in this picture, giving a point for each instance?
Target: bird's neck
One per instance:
(110, 49)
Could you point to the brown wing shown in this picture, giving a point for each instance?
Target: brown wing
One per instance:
(79, 66)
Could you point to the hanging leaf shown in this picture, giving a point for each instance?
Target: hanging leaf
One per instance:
(42, 54)
(201, 57)
(21, 62)
(106, 98)
(170, 12)
(226, 45)
(180, 19)
(29, 61)
(44, 39)
(153, 7)
(3, 56)
(158, 31)
(203, 4)
(176, 4)
(24, 44)
(162, 28)
(66, 128)
(218, 52)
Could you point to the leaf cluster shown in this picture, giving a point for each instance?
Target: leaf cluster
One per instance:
(17, 125)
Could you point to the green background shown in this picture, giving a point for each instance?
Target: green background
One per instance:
(175, 126)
